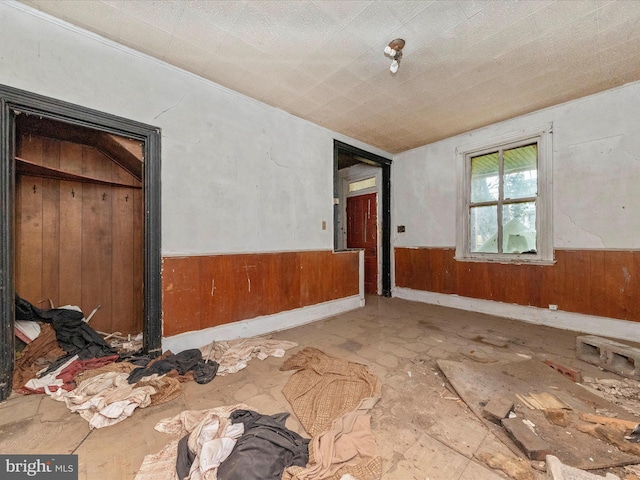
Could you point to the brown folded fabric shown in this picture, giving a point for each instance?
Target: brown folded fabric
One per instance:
(39, 354)
(325, 388)
(347, 447)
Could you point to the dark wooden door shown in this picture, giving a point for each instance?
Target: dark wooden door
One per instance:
(362, 232)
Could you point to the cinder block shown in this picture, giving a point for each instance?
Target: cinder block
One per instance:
(613, 356)
(588, 349)
(556, 470)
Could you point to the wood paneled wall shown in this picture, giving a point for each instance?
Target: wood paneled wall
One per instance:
(206, 291)
(80, 243)
(594, 282)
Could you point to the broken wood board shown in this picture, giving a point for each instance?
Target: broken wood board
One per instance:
(477, 383)
(542, 401)
(628, 424)
(527, 439)
(497, 409)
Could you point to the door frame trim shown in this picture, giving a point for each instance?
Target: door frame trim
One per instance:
(385, 164)
(14, 101)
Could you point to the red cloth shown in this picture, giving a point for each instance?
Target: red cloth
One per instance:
(71, 371)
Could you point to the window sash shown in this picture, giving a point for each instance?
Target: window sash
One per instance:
(542, 137)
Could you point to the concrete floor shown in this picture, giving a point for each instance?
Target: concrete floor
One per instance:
(423, 430)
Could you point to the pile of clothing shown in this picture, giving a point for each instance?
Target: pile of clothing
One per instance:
(225, 443)
(331, 397)
(73, 363)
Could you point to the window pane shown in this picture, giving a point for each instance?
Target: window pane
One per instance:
(521, 172)
(484, 229)
(362, 184)
(519, 228)
(484, 178)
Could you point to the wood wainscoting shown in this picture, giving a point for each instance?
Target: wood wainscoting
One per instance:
(206, 291)
(594, 282)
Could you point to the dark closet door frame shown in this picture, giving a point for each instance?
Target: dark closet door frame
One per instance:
(385, 164)
(14, 102)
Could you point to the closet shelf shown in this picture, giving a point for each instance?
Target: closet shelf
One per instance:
(25, 167)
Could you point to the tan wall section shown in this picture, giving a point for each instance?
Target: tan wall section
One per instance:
(594, 282)
(206, 291)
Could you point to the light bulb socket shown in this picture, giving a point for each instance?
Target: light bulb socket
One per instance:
(397, 44)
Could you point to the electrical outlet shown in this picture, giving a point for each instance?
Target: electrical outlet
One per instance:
(324, 225)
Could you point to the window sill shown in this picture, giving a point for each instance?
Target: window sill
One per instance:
(505, 261)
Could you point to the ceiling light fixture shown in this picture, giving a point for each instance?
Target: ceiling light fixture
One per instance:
(394, 50)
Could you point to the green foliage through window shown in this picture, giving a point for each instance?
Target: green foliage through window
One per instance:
(502, 201)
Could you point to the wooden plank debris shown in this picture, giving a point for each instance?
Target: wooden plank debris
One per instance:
(497, 409)
(478, 383)
(531, 444)
(612, 434)
(589, 417)
(542, 401)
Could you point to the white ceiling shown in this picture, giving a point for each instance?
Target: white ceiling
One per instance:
(466, 63)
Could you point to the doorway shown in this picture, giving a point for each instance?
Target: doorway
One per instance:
(15, 103)
(378, 261)
(78, 222)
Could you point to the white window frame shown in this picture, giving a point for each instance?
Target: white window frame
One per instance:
(544, 207)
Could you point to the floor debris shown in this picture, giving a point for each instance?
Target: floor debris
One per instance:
(542, 401)
(497, 408)
(557, 416)
(571, 373)
(612, 434)
(515, 468)
(524, 435)
(625, 392)
(420, 434)
(556, 470)
(476, 383)
(635, 469)
(627, 424)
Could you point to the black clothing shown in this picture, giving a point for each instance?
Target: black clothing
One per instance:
(265, 449)
(185, 458)
(73, 334)
(203, 372)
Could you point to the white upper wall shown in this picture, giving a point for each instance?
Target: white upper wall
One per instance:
(240, 176)
(596, 175)
(237, 175)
